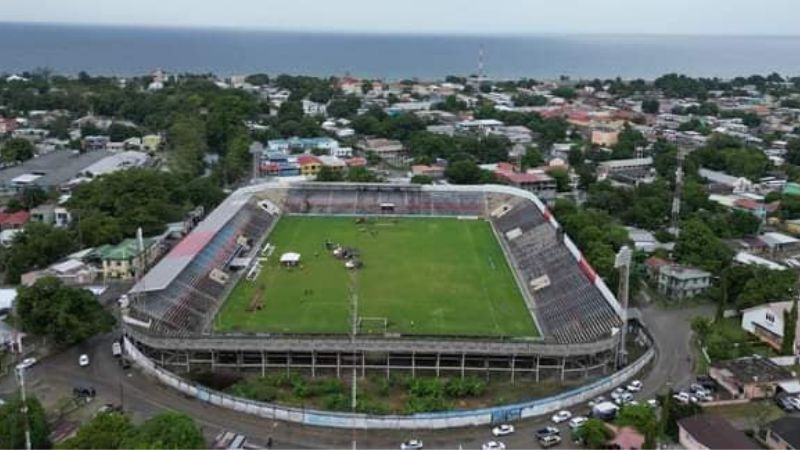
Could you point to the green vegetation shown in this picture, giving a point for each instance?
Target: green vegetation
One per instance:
(113, 430)
(594, 434)
(426, 276)
(39, 246)
(16, 150)
(644, 419)
(377, 394)
(725, 339)
(66, 315)
(13, 422)
(789, 330)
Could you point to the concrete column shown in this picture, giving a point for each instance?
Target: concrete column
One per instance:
(563, 367)
(338, 365)
(413, 364)
(363, 364)
(263, 364)
(537, 368)
(313, 364)
(438, 362)
(513, 365)
(388, 364)
(463, 363)
(213, 361)
(288, 362)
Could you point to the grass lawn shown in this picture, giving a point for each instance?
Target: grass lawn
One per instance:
(426, 276)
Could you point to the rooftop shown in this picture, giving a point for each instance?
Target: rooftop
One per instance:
(52, 169)
(683, 272)
(754, 368)
(715, 432)
(788, 429)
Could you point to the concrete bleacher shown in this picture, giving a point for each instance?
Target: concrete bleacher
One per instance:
(569, 308)
(186, 303)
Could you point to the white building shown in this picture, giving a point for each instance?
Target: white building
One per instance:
(314, 109)
(766, 322)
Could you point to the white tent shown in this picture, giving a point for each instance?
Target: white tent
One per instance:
(290, 259)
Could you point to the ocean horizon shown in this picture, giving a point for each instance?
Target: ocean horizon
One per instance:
(137, 50)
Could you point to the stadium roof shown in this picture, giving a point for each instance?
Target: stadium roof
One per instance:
(160, 276)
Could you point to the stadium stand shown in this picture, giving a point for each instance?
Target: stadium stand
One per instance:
(570, 303)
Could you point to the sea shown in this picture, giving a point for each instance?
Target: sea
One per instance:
(128, 50)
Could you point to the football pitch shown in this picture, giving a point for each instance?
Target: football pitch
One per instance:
(431, 276)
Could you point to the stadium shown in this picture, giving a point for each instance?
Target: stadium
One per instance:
(330, 277)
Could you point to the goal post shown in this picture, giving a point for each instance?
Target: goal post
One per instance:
(373, 325)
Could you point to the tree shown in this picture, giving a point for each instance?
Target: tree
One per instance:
(650, 106)
(562, 179)
(327, 173)
(564, 92)
(789, 330)
(13, 423)
(187, 146)
(643, 418)
(575, 157)
(257, 79)
(344, 107)
(168, 430)
(698, 246)
(594, 434)
(532, 158)
(421, 179)
(464, 172)
(64, 314)
(118, 132)
(16, 150)
(104, 431)
(672, 412)
(361, 175)
(38, 246)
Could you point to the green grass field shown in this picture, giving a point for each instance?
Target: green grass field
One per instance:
(426, 276)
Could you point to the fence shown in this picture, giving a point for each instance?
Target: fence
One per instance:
(438, 420)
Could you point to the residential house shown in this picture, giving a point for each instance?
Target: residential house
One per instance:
(15, 220)
(653, 266)
(711, 432)
(679, 282)
(535, 181)
(50, 214)
(95, 143)
(387, 149)
(604, 137)
(310, 165)
(766, 322)
(7, 125)
(314, 109)
(606, 168)
(125, 259)
(151, 143)
(72, 272)
(435, 172)
(625, 438)
(318, 145)
(779, 243)
(751, 377)
(278, 164)
(737, 185)
(783, 433)
(332, 162)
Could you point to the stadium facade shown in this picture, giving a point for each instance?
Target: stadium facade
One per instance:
(171, 310)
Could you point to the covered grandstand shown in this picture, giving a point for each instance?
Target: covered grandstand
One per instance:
(173, 306)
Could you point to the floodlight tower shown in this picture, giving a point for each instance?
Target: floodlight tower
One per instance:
(256, 148)
(676, 197)
(622, 262)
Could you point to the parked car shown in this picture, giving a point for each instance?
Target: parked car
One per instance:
(782, 400)
(116, 349)
(503, 430)
(577, 422)
(596, 401)
(412, 444)
(561, 416)
(83, 360)
(624, 398)
(634, 386)
(795, 402)
(547, 431)
(707, 382)
(549, 441)
(653, 403)
(617, 392)
(26, 363)
(682, 397)
(493, 445)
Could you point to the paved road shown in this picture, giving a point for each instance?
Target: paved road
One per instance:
(142, 397)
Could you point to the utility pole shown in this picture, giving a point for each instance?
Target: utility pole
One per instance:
(623, 263)
(24, 410)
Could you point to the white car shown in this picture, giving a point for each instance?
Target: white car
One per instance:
(503, 430)
(494, 445)
(625, 397)
(549, 441)
(412, 444)
(83, 360)
(27, 362)
(682, 397)
(794, 401)
(617, 392)
(653, 403)
(577, 422)
(596, 401)
(634, 386)
(561, 416)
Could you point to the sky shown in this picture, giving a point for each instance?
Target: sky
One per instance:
(741, 17)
